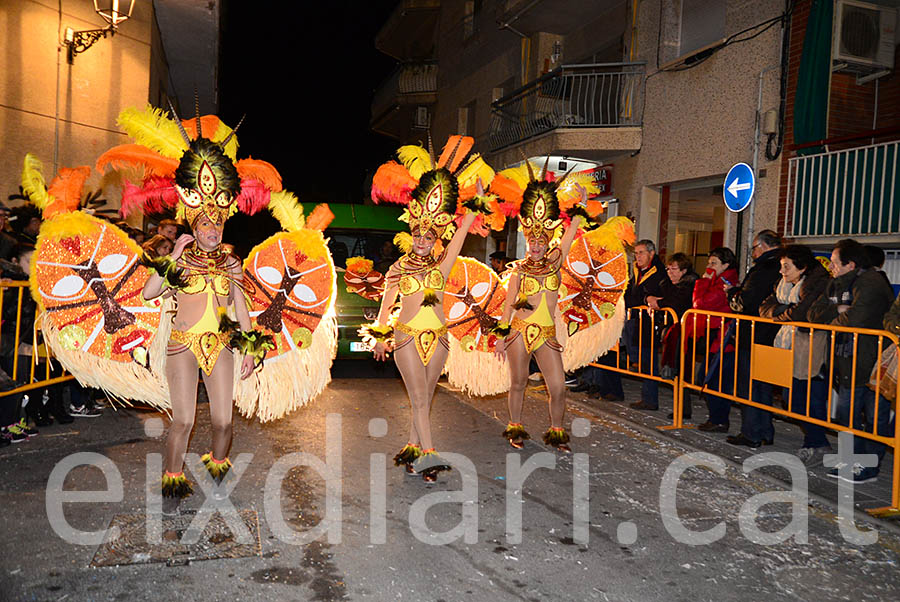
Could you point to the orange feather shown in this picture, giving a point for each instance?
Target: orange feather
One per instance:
(507, 189)
(465, 145)
(262, 171)
(320, 217)
(393, 184)
(137, 156)
(66, 189)
(209, 124)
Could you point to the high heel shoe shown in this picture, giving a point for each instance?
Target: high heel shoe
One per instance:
(516, 434)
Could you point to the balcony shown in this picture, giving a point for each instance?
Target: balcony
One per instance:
(584, 108)
(395, 103)
(852, 192)
(410, 31)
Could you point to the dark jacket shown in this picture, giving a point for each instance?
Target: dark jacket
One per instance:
(814, 282)
(869, 298)
(678, 296)
(745, 299)
(645, 282)
(11, 314)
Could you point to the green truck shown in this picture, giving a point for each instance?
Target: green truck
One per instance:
(359, 231)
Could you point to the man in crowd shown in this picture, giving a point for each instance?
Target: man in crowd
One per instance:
(647, 277)
(758, 284)
(168, 228)
(859, 297)
(499, 261)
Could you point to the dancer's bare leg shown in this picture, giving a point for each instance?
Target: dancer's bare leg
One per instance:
(518, 359)
(220, 384)
(420, 382)
(182, 375)
(550, 362)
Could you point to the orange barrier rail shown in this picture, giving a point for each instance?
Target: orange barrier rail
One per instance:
(23, 346)
(661, 318)
(779, 367)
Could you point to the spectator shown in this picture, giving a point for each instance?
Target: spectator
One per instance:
(169, 229)
(499, 261)
(10, 346)
(26, 223)
(876, 258)
(758, 285)
(7, 241)
(858, 297)
(803, 280)
(676, 293)
(158, 246)
(649, 273)
(709, 295)
(386, 257)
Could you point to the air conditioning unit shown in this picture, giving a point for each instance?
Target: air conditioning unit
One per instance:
(864, 35)
(423, 120)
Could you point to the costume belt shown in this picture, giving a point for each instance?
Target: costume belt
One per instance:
(533, 334)
(206, 346)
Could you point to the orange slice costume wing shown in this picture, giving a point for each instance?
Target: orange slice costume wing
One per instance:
(87, 280)
(591, 308)
(292, 279)
(473, 304)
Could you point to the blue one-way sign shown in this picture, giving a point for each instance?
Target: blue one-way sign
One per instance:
(739, 187)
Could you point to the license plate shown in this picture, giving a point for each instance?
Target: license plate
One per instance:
(358, 346)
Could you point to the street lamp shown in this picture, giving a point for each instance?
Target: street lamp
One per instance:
(112, 11)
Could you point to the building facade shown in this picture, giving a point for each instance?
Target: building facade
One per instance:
(663, 95)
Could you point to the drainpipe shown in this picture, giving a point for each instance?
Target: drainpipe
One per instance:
(750, 217)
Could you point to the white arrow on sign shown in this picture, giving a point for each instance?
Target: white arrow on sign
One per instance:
(736, 187)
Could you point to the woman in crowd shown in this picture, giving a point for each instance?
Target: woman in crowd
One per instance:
(158, 246)
(803, 280)
(709, 295)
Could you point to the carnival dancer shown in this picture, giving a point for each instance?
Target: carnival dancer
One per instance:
(141, 332)
(528, 322)
(418, 335)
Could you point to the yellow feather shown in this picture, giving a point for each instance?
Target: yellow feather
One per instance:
(476, 169)
(33, 184)
(519, 174)
(568, 193)
(153, 129)
(416, 159)
(287, 210)
(221, 133)
(403, 240)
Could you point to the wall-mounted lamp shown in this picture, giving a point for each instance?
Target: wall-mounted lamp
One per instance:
(112, 11)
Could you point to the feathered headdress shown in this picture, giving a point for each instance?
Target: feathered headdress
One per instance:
(431, 190)
(543, 204)
(189, 165)
(64, 192)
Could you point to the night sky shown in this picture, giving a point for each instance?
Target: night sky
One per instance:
(304, 73)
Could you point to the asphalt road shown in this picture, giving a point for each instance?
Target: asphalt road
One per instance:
(394, 537)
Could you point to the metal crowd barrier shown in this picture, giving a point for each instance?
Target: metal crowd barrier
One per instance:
(38, 371)
(775, 366)
(642, 315)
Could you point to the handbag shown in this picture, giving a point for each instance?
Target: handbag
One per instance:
(888, 374)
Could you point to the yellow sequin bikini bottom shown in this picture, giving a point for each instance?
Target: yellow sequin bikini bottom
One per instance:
(426, 330)
(203, 339)
(537, 329)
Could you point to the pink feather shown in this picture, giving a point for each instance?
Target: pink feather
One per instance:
(155, 196)
(254, 197)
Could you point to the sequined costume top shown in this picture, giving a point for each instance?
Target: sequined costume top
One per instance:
(413, 274)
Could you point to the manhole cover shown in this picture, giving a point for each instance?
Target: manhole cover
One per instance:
(216, 541)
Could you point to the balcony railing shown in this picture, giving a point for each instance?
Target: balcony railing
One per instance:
(852, 192)
(407, 80)
(572, 96)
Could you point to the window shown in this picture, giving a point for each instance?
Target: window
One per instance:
(686, 26)
(471, 8)
(465, 121)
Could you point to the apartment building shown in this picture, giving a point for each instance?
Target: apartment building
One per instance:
(66, 76)
(663, 97)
